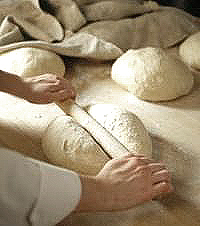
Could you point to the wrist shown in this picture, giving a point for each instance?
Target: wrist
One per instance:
(93, 196)
(13, 84)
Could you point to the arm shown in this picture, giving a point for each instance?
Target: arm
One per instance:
(122, 184)
(39, 89)
(12, 84)
(42, 194)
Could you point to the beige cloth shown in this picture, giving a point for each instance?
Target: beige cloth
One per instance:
(73, 28)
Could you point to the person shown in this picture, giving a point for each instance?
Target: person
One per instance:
(37, 193)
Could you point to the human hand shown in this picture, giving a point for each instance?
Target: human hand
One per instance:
(124, 183)
(47, 88)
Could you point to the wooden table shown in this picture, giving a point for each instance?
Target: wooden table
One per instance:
(174, 127)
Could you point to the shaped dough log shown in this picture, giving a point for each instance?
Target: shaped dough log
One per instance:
(69, 145)
(109, 143)
(124, 126)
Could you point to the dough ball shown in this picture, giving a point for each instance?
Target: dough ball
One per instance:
(125, 126)
(28, 62)
(152, 74)
(69, 145)
(189, 51)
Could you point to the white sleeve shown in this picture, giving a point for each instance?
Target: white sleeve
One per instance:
(60, 192)
(35, 193)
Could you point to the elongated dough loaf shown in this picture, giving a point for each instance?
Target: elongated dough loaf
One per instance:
(125, 126)
(66, 143)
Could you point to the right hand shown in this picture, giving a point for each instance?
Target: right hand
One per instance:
(124, 183)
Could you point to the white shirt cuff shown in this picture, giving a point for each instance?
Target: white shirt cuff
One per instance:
(60, 192)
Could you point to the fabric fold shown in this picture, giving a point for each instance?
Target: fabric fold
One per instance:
(37, 23)
(94, 29)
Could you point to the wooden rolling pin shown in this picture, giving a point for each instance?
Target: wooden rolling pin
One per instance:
(104, 138)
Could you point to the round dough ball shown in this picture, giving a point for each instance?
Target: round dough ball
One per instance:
(152, 74)
(29, 61)
(69, 145)
(125, 126)
(189, 51)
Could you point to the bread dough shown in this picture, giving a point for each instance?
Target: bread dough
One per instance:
(189, 51)
(125, 126)
(152, 74)
(66, 143)
(30, 61)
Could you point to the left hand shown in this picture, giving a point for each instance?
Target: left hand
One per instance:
(48, 88)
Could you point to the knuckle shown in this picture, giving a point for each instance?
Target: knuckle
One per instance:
(165, 186)
(144, 169)
(166, 174)
(137, 161)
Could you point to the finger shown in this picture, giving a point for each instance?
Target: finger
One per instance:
(140, 161)
(50, 78)
(62, 95)
(148, 160)
(161, 189)
(64, 80)
(133, 162)
(154, 167)
(54, 87)
(160, 176)
(62, 84)
(126, 156)
(60, 77)
(58, 85)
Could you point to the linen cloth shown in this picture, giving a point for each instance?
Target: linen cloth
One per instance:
(72, 28)
(92, 29)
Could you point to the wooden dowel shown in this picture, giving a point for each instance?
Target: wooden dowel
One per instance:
(103, 137)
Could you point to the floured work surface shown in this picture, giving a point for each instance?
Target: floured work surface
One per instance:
(173, 126)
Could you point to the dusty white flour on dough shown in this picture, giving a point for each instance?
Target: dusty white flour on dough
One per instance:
(125, 126)
(66, 143)
(189, 51)
(152, 74)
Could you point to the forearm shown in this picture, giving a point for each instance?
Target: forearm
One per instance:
(92, 198)
(12, 84)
